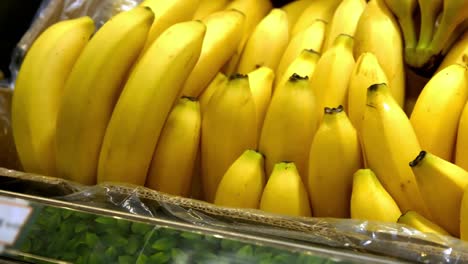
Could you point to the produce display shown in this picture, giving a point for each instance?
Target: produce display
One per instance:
(311, 109)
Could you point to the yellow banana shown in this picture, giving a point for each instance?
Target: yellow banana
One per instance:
(294, 9)
(389, 142)
(166, 14)
(285, 193)
(261, 84)
(461, 145)
(266, 44)
(457, 54)
(92, 89)
(464, 216)
(171, 168)
(378, 32)
(311, 38)
(370, 200)
(442, 184)
(303, 65)
(344, 20)
(219, 80)
(366, 72)
(146, 101)
(38, 91)
(438, 108)
(242, 184)
(229, 127)
(208, 7)
(332, 73)
(223, 35)
(403, 11)
(319, 9)
(255, 11)
(335, 155)
(419, 222)
(429, 11)
(289, 126)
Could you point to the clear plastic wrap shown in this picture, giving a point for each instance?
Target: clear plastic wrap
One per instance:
(385, 239)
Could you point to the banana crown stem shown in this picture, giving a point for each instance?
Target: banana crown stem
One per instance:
(418, 159)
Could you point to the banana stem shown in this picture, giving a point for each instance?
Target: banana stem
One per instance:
(409, 31)
(427, 29)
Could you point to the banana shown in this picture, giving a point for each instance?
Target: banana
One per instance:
(419, 222)
(219, 80)
(389, 142)
(39, 88)
(319, 9)
(311, 38)
(442, 184)
(335, 154)
(464, 216)
(145, 102)
(370, 200)
(303, 65)
(403, 11)
(289, 126)
(429, 11)
(255, 11)
(294, 9)
(167, 13)
(438, 108)
(261, 83)
(242, 184)
(171, 168)
(461, 145)
(457, 54)
(284, 192)
(366, 72)
(378, 32)
(229, 127)
(223, 35)
(344, 20)
(332, 73)
(208, 7)
(266, 44)
(92, 89)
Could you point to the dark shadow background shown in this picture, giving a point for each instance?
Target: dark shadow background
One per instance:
(15, 18)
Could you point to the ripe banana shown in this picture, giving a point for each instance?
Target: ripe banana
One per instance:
(39, 88)
(370, 200)
(366, 72)
(335, 155)
(255, 11)
(378, 32)
(229, 127)
(266, 44)
(429, 11)
(261, 82)
(171, 168)
(344, 20)
(438, 108)
(166, 14)
(311, 38)
(242, 184)
(146, 101)
(457, 54)
(289, 126)
(319, 9)
(332, 73)
(419, 222)
(403, 11)
(219, 80)
(442, 184)
(208, 7)
(461, 145)
(285, 193)
(303, 65)
(389, 142)
(294, 9)
(92, 89)
(464, 216)
(223, 35)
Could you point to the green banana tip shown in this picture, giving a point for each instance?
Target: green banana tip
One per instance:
(418, 158)
(333, 110)
(296, 77)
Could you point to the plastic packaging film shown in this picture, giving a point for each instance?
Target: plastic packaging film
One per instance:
(387, 239)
